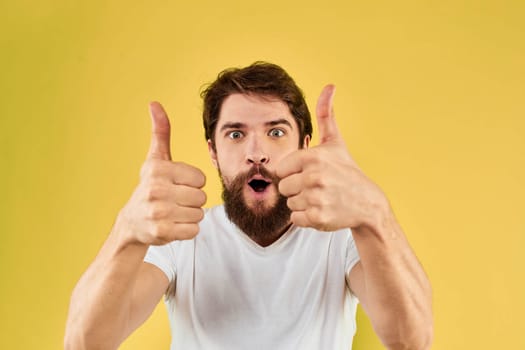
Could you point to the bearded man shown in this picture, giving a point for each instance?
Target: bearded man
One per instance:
(302, 236)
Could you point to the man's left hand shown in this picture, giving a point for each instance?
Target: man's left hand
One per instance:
(326, 189)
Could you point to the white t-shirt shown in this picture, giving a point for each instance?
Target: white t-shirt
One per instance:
(227, 292)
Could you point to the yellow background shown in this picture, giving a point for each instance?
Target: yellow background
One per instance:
(430, 100)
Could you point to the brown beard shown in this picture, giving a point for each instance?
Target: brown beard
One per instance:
(262, 224)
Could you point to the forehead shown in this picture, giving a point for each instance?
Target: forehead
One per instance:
(253, 109)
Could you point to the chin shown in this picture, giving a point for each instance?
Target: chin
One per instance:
(260, 205)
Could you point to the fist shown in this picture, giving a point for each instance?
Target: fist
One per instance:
(326, 189)
(167, 204)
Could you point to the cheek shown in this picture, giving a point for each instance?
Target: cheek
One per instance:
(226, 172)
(227, 165)
(233, 158)
(225, 156)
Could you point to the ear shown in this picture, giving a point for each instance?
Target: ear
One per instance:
(213, 154)
(306, 141)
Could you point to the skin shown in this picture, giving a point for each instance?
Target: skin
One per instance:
(254, 131)
(326, 190)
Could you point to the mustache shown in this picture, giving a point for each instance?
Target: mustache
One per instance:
(258, 170)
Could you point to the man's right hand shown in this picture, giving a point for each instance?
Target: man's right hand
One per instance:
(167, 204)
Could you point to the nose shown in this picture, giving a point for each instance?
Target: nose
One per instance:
(257, 158)
(255, 153)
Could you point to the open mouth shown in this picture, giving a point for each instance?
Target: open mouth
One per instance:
(258, 185)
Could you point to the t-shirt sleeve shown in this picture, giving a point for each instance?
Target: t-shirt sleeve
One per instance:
(352, 255)
(164, 258)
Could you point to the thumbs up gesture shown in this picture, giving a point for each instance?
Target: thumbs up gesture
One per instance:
(167, 203)
(326, 189)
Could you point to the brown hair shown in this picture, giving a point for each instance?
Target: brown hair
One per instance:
(260, 78)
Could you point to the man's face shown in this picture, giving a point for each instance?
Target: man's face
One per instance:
(253, 133)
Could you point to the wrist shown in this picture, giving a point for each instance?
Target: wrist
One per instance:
(381, 222)
(123, 234)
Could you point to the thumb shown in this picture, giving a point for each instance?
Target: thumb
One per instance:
(160, 133)
(328, 130)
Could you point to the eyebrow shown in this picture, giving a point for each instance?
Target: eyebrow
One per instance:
(279, 121)
(235, 125)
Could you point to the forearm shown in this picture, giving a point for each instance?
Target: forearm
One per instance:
(398, 292)
(100, 303)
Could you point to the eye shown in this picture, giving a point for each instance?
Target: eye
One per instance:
(235, 134)
(276, 133)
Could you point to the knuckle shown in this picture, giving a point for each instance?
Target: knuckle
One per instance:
(319, 218)
(315, 179)
(313, 199)
(156, 213)
(320, 199)
(159, 232)
(154, 191)
(156, 171)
